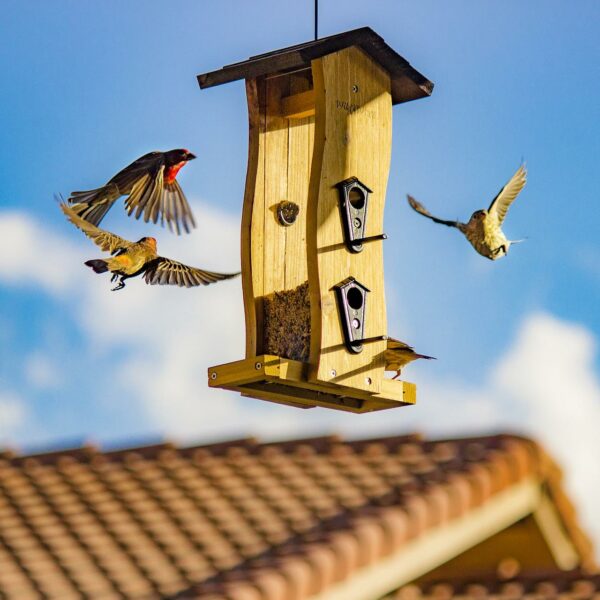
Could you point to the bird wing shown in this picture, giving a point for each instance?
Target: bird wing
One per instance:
(506, 196)
(143, 195)
(177, 208)
(417, 206)
(149, 164)
(108, 242)
(92, 205)
(164, 271)
(393, 344)
(153, 198)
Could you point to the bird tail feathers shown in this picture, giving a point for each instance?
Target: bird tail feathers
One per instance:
(92, 205)
(99, 265)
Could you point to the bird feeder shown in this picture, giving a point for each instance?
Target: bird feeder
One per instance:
(312, 235)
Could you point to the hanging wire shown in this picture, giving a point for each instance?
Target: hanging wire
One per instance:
(316, 19)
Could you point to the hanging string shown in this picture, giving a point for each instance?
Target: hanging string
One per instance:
(316, 19)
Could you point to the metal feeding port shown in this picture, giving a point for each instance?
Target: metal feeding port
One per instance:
(352, 297)
(354, 200)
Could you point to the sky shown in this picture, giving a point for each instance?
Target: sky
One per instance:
(89, 86)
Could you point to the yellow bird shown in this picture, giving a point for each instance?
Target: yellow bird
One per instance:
(484, 229)
(130, 259)
(398, 355)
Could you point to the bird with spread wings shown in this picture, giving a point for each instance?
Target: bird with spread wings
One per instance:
(484, 229)
(130, 259)
(152, 191)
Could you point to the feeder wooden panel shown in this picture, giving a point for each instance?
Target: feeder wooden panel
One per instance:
(319, 113)
(280, 150)
(353, 137)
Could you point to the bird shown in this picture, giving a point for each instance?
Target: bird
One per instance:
(398, 354)
(484, 229)
(130, 259)
(152, 190)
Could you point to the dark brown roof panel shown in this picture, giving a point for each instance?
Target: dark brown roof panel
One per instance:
(407, 82)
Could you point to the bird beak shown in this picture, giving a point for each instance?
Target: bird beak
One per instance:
(190, 156)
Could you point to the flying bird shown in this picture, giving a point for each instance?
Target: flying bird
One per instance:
(151, 188)
(130, 259)
(484, 229)
(398, 355)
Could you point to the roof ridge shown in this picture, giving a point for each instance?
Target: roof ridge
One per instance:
(87, 450)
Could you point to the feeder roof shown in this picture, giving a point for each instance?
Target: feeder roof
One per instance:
(407, 82)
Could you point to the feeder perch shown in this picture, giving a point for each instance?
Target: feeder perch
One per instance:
(320, 118)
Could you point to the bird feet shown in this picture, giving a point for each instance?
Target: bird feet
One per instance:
(120, 286)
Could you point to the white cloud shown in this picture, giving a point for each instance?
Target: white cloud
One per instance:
(544, 385)
(32, 255)
(12, 416)
(41, 371)
(173, 335)
(550, 371)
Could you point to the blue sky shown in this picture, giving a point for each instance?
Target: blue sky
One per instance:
(89, 86)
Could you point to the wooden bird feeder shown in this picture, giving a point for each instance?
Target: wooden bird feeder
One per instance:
(312, 224)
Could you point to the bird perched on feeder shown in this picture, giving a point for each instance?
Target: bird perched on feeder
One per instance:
(130, 259)
(151, 187)
(484, 229)
(398, 355)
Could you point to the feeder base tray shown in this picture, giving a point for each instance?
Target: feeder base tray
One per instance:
(285, 381)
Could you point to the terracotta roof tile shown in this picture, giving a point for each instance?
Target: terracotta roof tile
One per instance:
(241, 519)
(548, 585)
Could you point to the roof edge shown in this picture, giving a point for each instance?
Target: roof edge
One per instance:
(407, 83)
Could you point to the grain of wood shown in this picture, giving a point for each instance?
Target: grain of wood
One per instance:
(276, 178)
(252, 214)
(300, 160)
(298, 105)
(273, 256)
(353, 128)
(299, 154)
(285, 381)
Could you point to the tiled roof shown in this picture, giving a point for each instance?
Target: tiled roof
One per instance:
(241, 520)
(550, 585)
